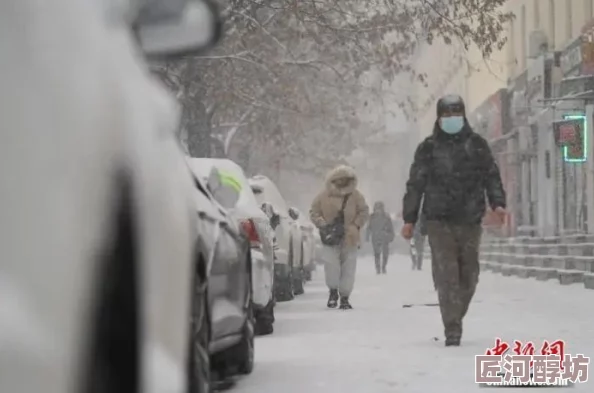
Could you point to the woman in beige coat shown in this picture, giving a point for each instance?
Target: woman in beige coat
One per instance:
(340, 260)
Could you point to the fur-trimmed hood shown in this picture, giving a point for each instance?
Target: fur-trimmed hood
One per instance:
(341, 172)
(379, 207)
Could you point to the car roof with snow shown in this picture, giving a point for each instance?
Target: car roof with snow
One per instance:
(247, 206)
(271, 193)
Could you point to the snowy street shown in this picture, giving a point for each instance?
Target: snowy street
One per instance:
(382, 347)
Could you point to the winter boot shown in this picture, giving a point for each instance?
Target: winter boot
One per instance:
(452, 342)
(333, 298)
(377, 264)
(344, 303)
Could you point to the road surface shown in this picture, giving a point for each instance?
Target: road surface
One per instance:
(381, 347)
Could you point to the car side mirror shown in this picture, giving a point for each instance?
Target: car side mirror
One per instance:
(293, 213)
(274, 217)
(274, 221)
(168, 29)
(268, 209)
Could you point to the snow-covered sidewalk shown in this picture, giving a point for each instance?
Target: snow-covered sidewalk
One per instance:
(381, 347)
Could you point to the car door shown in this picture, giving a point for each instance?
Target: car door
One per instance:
(240, 265)
(228, 284)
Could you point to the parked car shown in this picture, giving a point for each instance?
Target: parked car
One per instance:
(288, 237)
(308, 242)
(256, 225)
(225, 318)
(318, 248)
(299, 267)
(97, 251)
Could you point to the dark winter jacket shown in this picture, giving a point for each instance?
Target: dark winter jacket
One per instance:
(381, 228)
(452, 173)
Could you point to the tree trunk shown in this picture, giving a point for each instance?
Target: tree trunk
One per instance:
(199, 131)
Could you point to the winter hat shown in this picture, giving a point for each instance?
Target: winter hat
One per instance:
(451, 102)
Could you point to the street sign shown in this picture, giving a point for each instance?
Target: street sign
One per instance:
(571, 136)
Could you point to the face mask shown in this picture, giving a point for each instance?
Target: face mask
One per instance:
(452, 125)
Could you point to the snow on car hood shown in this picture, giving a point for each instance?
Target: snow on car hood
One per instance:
(247, 206)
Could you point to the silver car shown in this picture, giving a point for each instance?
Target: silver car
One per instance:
(97, 224)
(287, 266)
(245, 209)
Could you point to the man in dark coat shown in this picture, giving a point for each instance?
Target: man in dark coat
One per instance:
(452, 172)
(381, 232)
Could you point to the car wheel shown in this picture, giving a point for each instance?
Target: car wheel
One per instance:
(308, 275)
(283, 286)
(265, 320)
(199, 367)
(299, 277)
(114, 353)
(298, 283)
(244, 350)
(284, 290)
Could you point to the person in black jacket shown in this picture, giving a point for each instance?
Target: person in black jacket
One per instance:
(452, 172)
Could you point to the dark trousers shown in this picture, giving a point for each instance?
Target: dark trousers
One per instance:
(455, 266)
(381, 252)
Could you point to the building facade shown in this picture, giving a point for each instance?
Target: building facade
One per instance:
(519, 100)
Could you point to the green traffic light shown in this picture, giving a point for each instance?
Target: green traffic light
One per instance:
(584, 157)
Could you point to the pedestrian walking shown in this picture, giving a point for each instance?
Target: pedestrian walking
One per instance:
(340, 211)
(380, 231)
(452, 172)
(418, 242)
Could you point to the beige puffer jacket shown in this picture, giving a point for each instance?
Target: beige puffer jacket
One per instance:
(326, 205)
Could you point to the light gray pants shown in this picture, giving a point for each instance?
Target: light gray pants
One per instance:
(340, 268)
